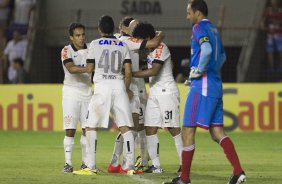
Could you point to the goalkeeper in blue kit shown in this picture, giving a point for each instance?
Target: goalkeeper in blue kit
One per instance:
(204, 105)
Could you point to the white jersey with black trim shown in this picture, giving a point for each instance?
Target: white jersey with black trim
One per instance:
(76, 86)
(109, 54)
(164, 81)
(134, 46)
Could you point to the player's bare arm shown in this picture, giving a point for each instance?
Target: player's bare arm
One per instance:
(90, 67)
(149, 72)
(127, 78)
(154, 43)
(73, 69)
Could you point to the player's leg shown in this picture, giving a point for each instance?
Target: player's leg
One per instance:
(98, 107)
(218, 135)
(123, 118)
(70, 118)
(128, 149)
(114, 166)
(190, 118)
(68, 149)
(153, 121)
(83, 141)
(141, 130)
(169, 105)
(176, 134)
(153, 147)
(143, 165)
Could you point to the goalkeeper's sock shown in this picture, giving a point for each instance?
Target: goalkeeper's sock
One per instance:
(231, 154)
(83, 142)
(91, 136)
(68, 148)
(178, 145)
(128, 150)
(117, 150)
(187, 157)
(153, 149)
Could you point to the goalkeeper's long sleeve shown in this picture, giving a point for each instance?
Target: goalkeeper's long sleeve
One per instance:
(206, 51)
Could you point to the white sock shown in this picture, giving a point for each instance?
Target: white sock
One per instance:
(143, 147)
(83, 148)
(179, 146)
(128, 150)
(68, 147)
(134, 133)
(91, 148)
(153, 149)
(117, 150)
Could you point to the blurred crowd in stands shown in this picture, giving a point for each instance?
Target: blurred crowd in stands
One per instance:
(14, 22)
(14, 36)
(272, 25)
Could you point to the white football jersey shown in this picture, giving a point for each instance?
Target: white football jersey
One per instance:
(134, 46)
(76, 85)
(164, 81)
(109, 55)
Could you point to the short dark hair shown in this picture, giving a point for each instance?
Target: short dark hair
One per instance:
(125, 21)
(200, 5)
(19, 61)
(144, 31)
(106, 24)
(73, 26)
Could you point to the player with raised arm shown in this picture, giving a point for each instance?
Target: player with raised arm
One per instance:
(162, 110)
(108, 56)
(77, 92)
(135, 45)
(204, 106)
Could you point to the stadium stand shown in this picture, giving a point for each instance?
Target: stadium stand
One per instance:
(243, 39)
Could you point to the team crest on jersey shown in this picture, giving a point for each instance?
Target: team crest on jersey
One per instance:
(110, 42)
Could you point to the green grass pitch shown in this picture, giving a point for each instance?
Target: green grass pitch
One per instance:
(37, 158)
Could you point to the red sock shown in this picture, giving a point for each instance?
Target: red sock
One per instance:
(187, 157)
(231, 154)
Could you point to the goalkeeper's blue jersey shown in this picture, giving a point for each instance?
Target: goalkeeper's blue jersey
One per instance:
(210, 84)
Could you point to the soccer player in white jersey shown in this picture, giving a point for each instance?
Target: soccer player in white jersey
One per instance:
(134, 45)
(76, 92)
(108, 56)
(162, 108)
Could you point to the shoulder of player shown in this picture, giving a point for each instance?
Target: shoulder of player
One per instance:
(66, 48)
(162, 46)
(134, 40)
(197, 28)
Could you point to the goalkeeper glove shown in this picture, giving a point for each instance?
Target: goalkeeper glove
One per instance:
(195, 73)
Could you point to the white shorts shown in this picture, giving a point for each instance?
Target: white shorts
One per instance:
(163, 111)
(135, 104)
(143, 101)
(74, 112)
(106, 101)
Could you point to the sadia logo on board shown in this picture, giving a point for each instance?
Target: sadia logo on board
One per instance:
(25, 114)
(261, 111)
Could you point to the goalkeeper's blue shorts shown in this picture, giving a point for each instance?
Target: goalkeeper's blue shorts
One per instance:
(202, 111)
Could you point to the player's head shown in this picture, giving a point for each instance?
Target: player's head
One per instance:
(144, 31)
(132, 25)
(106, 25)
(124, 24)
(77, 35)
(196, 11)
